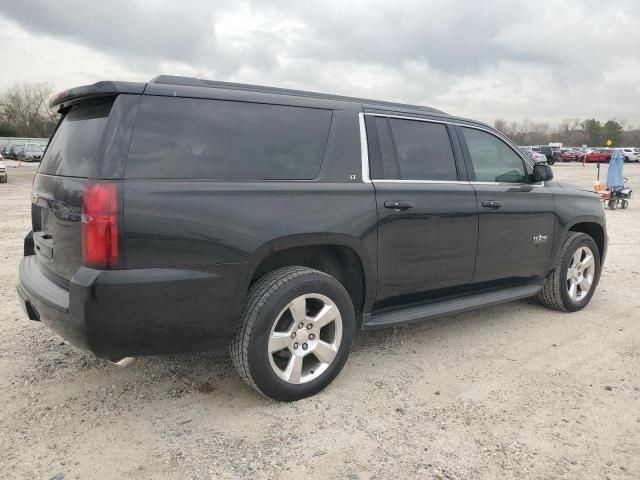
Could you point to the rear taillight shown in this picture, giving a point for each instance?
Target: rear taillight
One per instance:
(100, 225)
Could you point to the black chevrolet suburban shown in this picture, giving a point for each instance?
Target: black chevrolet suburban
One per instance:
(186, 215)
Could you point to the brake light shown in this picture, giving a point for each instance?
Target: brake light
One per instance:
(100, 225)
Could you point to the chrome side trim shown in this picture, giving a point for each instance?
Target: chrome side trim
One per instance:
(540, 184)
(430, 120)
(437, 182)
(408, 118)
(495, 133)
(364, 150)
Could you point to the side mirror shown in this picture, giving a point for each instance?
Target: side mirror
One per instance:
(542, 172)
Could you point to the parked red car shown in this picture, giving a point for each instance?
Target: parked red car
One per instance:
(601, 155)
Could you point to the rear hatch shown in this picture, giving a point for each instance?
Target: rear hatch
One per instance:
(69, 161)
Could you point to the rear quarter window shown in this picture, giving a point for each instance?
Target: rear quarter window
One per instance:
(187, 138)
(72, 150)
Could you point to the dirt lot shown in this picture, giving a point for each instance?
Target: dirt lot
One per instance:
(514, 391)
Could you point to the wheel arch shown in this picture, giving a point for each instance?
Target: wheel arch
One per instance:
(341, 258)
(594, 230)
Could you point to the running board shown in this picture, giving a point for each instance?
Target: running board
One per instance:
(445, 307)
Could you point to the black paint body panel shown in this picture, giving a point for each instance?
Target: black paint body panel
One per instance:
(191, 247)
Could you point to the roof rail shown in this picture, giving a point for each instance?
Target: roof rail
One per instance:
(197, 82)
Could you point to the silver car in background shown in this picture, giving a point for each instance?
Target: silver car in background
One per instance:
(534, 156)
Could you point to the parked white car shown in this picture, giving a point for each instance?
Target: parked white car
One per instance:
(3, 170)
(631, 154)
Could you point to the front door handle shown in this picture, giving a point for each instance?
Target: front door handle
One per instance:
(493, 204)
(398, 205)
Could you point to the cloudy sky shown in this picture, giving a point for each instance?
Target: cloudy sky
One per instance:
(544, 60)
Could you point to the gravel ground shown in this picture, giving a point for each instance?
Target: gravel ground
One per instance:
(513, 391)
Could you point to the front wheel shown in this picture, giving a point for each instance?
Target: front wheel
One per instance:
(297, 328)
(574, 279)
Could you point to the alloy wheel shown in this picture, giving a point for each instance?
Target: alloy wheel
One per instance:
(305, 338)
(580, 274)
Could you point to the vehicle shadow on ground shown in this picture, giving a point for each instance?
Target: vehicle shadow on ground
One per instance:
(213, 374)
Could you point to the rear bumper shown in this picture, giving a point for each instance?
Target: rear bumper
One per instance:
(120, 313)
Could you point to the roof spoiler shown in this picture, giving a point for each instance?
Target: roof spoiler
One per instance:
(72, 96)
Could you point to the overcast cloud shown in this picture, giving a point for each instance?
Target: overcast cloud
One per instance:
(544, 59)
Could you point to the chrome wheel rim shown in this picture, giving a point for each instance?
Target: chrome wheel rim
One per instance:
(305, 338)
(580, 274)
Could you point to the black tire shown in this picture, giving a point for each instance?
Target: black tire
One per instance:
(612, 204)
(4, 179)
(266, 299)
(626, 159)
(624, 203)
(554, 293)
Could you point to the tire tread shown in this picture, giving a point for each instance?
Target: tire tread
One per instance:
(259, 296)
(551, 294)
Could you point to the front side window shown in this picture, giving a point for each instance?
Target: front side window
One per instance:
(492, 159)
(424, 150)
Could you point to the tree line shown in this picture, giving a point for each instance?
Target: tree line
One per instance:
(24, 110)
(570, 132)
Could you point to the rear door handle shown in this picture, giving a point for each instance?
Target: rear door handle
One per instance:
(398, 205)
(491, 204)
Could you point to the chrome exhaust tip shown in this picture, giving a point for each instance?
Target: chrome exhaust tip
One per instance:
(125, 362)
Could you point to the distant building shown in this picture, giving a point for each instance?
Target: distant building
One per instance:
(23, 141)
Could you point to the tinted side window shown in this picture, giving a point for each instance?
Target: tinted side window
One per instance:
(492, 159)
(389, 162)
(424, 150)
(72, 150)
(194, 138)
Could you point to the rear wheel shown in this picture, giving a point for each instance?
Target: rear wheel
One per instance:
(574, 279)
(624, 203)
(297, 328)
(613, 203)
(4, 179)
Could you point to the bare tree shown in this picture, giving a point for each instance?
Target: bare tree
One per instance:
(24, 109)
(501, 125)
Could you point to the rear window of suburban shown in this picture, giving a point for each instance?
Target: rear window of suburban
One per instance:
(188, 138)
(73, 148)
